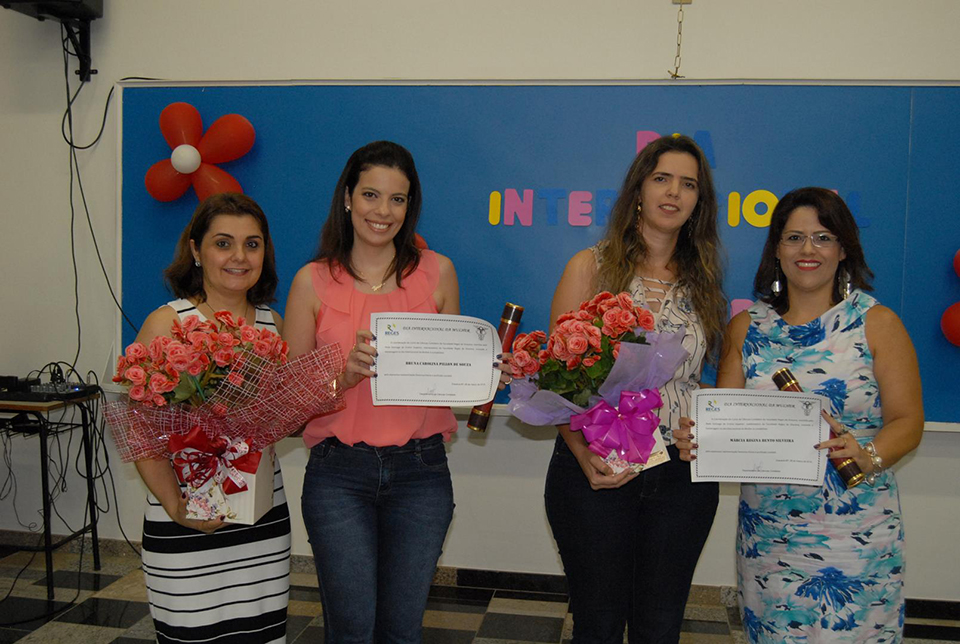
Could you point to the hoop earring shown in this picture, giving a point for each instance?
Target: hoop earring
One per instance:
(777, 285)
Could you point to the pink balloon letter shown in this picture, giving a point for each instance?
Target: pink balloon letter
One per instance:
(578, 207)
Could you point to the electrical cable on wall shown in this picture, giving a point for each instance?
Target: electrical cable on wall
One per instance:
(66, 131)
(101, 472)
(70, 159)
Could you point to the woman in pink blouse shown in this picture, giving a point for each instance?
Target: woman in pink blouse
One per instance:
(377, 497)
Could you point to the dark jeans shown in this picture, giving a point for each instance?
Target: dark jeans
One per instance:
(376, 518)
(629, 554)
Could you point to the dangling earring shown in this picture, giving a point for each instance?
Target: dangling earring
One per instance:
(777, 286)
(639, 209)
(196, 263)
(845, 285)
(347, 208)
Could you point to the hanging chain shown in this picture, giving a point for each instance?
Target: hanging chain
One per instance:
(675, 74)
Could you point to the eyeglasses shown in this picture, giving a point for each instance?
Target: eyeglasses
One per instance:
(820, 240)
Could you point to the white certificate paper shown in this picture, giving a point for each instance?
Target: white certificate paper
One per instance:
(432, 359)
(757, 436)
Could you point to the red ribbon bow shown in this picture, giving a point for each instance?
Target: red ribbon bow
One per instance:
(627, 430)
(201, 461)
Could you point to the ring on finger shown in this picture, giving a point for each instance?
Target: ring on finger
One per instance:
(508, 380)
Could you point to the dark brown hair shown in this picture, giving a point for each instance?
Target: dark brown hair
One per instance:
(336, 237)
(833, 215)
(699, 266)
(185, 278)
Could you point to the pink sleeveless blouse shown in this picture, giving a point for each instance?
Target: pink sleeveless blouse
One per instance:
(343, 311)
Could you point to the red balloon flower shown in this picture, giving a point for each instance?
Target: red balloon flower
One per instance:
(950, 324)
(950, 320)
(193, 157)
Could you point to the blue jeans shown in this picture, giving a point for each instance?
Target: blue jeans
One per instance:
(629, 554)
(376, 518)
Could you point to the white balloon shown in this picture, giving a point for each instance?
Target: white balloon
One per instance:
(185, 159)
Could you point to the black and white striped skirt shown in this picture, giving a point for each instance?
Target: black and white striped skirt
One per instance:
(229, 586)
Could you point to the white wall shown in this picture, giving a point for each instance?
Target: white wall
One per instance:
(499, 522)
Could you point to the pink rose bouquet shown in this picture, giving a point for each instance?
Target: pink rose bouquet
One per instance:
(583, 347)
(599, 371)
(189, 366)
(227, 377)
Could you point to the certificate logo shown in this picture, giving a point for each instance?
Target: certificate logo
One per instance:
(712, 405)
(392, 330)
(481, 332)
(807, 407)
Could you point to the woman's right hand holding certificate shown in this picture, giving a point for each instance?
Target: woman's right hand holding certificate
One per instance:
(360, 359)
(684, 440)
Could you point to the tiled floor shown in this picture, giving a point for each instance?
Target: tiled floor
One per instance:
(110, 607)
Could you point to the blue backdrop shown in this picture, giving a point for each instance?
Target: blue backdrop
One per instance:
(517, 179)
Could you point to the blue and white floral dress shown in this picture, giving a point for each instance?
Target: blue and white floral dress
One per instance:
(821, 564)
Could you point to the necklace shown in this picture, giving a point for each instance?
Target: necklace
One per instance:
(374, 288)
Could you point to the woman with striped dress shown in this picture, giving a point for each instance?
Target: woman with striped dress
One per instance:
(208, 581)
(630, 542)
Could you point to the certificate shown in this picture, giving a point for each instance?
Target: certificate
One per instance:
(759, 436)
(432, 359)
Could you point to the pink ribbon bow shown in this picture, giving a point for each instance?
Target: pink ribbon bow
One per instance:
(200, 460)
(628, 429)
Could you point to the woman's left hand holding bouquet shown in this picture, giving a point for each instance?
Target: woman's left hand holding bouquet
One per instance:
(162, 483)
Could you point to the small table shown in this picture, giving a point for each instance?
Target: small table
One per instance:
(40, 410)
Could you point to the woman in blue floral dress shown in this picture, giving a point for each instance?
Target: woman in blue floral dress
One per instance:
(824, 564)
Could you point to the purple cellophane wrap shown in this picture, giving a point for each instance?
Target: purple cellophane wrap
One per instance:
(638, 366)
(273, 402)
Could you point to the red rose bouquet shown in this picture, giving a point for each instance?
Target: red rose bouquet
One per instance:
(599, 372)
(214, 395)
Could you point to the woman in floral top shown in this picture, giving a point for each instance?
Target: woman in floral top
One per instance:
(630, 542)
(824, 563)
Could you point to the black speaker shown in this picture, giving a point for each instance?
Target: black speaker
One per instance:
(57, 9)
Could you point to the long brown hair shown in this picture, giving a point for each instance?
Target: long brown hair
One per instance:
(336, 237)
(833, 215)
(185, 278)
(697, 255)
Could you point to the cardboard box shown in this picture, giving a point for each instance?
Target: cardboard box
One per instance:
(245, 507)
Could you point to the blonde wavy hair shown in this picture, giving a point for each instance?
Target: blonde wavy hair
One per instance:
(697, 257)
